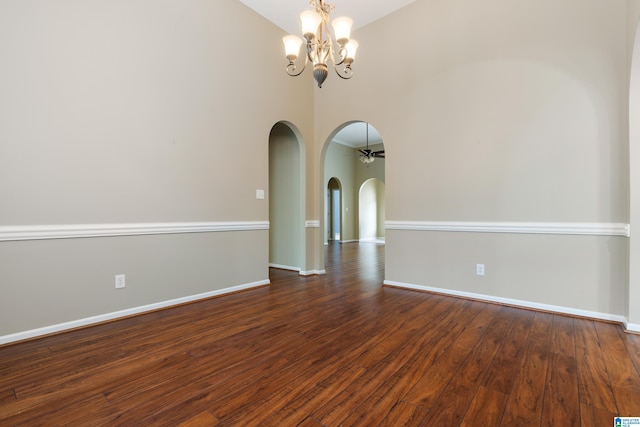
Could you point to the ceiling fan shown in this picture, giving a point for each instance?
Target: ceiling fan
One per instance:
(367, 155)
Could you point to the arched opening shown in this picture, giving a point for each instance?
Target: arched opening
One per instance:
(286, 193)
(371, 209)
(342, 160)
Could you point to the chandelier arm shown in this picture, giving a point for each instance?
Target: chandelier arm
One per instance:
(346, 73)
(342, 55)
(327, 46)
(327, 52)
(291, 68)
(311, 48)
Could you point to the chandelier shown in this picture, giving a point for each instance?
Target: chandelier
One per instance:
(319, 44)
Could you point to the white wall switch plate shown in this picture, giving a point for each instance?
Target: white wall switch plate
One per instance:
(120, 282)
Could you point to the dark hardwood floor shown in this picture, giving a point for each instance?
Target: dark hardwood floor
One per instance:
(330, 350)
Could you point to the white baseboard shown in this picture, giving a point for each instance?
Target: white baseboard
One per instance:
(377, 240)
(312, 272)
(284, 267)
(302, 273)
(632, 327)
(60, 327)
(519, 303)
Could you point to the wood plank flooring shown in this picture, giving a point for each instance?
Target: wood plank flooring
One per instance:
(332, 350)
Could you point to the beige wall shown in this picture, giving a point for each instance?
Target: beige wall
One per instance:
(135, 112)
(499, 111)
(52, 282)
(581, 273)
(479, 126)
(144, 112)
(285, 199)
(633, 45)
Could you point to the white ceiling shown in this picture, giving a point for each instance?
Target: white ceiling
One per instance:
(355, 135)
(285, 13)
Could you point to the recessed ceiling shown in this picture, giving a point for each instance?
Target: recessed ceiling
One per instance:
(285, 13)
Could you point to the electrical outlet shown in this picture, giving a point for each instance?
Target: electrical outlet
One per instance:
(120, 282)
(479, 269)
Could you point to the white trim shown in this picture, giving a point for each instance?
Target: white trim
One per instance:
(377, 240)
(312, 223)
(633, 327)
(299, 270)
(284, 267)
(39, 232)
(514, 302)
(312, 272)
(569, 228)
(19, 336)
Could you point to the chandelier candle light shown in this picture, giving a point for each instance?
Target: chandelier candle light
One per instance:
(320, 46)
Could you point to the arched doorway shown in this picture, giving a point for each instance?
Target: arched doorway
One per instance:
(286, 192)
(342, 160)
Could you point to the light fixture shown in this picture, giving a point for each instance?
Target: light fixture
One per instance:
(320, 47)
(367, 156)
(366, 159)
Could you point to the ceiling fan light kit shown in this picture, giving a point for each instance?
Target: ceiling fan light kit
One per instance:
(366, 159)
(367, 156)
(320, 49)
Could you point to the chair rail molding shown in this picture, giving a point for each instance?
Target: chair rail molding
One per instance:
(72, 231)
(567, 228)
